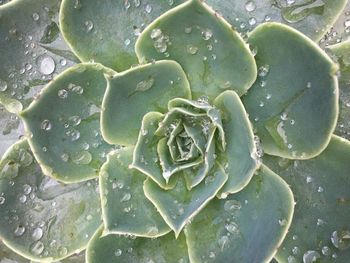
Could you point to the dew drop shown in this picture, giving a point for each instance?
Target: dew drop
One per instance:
(62, 94)
(36, 16)
(207, 34)
(46, 125)
(326, 251)
(37, 234)
(148, 8)
(14, 106)
(126, 197)
(311, 256)
(19, 231)
(232, 228)
(46, 65)
(232, 205)
(223, 242)
(191, 49)
(118, 252)
(89, 25)
(37, 248)
(250, 6)
(2, 200)
(341, 239)
(83, 157)
(3, 85)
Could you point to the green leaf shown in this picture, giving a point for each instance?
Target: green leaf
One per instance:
(25, 64)
(247, 226)
(125, 208)
(312, 17)
(10, 129)
(213, 55)
(64, 124)
(293, 104)
(321, 186)
(133, 93)
(124, 249)
(179, 205)
(37, 212)
(105, 31)
(240, 157)
(341, 53)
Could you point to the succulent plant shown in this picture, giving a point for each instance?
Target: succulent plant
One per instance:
(195, 138)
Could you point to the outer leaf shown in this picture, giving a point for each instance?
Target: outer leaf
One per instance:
(342, 55)
(37, 212)
(239, 159)
(246, 227)
(25, 63)
(125, 208)
(312, 17)
(179, 205)
(64, 124)
(294, 104)
(213, 55)
(143, 89)
(105, 31)
(123, 249)
(321, 186)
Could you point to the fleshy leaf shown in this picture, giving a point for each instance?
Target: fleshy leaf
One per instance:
(179, 205)
(25, 63)
(342, 55)
(37, 212)
(320, 226)
(213, 55)
(133, 93)
(125, 208)
(64, 124)
(247, 226)
(10, 129)
(293, 104)
(239, 159)
(124, 249)
(312, 17)
(105, 31)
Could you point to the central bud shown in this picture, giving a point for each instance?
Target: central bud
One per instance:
(189, 137)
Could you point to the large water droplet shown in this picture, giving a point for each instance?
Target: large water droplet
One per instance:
(46, 125)
(118, 252)
(46, 65)
(250, 6)
(341, 239)
(3, 85)
(37, 248)
(232, 205)
(37, 234)
(89, 25)
(19, 231)
(83, 157)
(311, 256)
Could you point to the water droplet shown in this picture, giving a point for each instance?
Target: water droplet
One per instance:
(223, 242)
(341, 239)
(145, 84)
(188, 30)
(3, 85)
(10, 170)
(77, 4)
(2, 200)
(232, 205)
(89, 25)
(25, 158)
(207, 34)
(63, 251)
(156, 33)
(191, 49)
(83, 157)
(14, 106)
(37, 248)
(250, 6)
(63, 62)
(46, 65)
(263, 70)
(27, 189)
(46, 125)
(291, 259)
(252, 21)
(62, 94)
(295, 250)
(37, 234)
(36, 16)
(326, 251)
(298, 12)
(282, 222)
(126, 197)
(148, 8)
(127, 42)
(19, 231)
(311, 256)
(23, 199)
(118, 252)
(232, 228)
